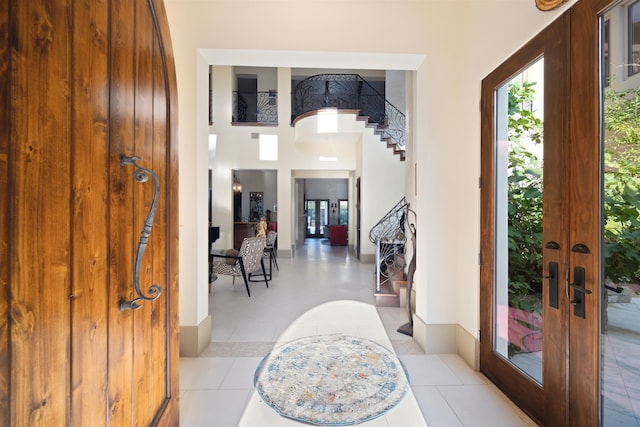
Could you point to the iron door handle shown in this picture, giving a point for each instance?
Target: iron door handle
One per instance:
(579, 292)
(553, 284)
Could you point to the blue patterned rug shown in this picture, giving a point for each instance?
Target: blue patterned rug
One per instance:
(331, 380)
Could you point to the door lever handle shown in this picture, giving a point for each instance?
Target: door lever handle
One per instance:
(579, 288)
(579, 291)
(553, 284)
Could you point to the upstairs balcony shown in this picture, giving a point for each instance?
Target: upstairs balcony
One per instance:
(255, 108)
(340, 91)
(352, 92)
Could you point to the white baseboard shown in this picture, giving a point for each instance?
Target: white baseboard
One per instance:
(194, 339)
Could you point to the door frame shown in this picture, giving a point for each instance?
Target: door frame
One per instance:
(576, 401)
(319, 232)
(529, 395)
(586, 226)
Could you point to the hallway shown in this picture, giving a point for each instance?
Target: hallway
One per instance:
(215, 387)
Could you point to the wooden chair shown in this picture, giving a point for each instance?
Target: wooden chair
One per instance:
(270, 254)
(271, 249)
(249, 260)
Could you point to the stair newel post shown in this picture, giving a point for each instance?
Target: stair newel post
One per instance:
(377, 269)
(407, 328)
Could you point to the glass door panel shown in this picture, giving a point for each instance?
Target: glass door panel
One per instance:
(524, 308)
(620, 317)
(343, 210)
(518, 335)
(589, 270)
(317, 217)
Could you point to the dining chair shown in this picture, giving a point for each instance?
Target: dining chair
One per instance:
(249, 260)
(270, 254)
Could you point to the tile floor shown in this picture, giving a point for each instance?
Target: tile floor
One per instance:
(621, 380)
(215, 387)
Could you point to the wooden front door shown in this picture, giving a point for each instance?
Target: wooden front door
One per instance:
(88, 99)
(542, 257)
(523, 321)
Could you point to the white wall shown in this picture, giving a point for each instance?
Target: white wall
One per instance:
(266, 77)
(452, 46)
(382, 186)
(395, 93)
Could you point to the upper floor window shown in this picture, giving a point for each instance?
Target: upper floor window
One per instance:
(633, 16)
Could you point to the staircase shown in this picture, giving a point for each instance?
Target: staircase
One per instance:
(389, 238)
(352, 92)
(392, 292)
(383, 131)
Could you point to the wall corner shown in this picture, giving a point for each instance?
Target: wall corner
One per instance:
(194, 339)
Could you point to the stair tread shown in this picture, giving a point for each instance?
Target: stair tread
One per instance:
(385, 288)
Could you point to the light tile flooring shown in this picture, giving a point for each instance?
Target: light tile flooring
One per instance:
(621, 381)
(215, 387)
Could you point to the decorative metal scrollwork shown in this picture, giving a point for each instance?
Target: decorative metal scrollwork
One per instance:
(153, 292)
(351, 92)
(389, 238)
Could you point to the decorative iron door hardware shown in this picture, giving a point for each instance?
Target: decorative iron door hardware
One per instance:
(580, 248)
(579, 291)
(552, 245)
(553, 284)
(153, 292)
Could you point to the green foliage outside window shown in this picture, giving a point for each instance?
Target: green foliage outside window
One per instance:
(621, 184)
(343, 209)
(524, 194)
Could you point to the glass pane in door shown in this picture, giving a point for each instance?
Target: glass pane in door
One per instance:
(343, 209)
(317, 217)
(620, 317)
(519, 198)
(311, 218)
(323, 219)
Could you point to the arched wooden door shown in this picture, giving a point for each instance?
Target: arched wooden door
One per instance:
(84, 84)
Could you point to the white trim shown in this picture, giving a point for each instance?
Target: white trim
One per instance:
(307, 59)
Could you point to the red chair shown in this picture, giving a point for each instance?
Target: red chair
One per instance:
(338, 235)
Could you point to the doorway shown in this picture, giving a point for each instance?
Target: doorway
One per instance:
(317, 212)
(559, 203)
(537, 330)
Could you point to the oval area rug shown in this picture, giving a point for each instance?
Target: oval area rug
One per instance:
(331, 380)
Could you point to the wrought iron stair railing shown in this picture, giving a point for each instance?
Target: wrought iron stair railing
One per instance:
(389, 236)
(352, 92)
(255, 107)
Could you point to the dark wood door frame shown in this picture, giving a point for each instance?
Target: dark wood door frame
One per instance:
(319, 232)
(574, 401)
(517, 385)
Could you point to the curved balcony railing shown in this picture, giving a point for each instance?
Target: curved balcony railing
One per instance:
(255, 107)
(350, 91)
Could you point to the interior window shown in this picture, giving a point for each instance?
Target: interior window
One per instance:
(344, 212)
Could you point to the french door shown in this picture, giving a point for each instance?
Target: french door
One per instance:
(317, 217)
(540, 252)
